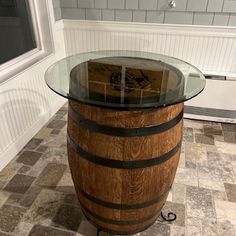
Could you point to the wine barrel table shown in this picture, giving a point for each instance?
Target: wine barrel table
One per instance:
(125, 127)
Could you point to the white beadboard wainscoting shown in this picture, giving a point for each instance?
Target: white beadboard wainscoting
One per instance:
(211, 49)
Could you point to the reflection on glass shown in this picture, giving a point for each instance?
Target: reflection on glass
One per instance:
(126, 80)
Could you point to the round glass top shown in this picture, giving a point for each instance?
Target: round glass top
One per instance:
(125, 79)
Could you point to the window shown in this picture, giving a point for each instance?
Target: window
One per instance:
(17, 34)
(25, 35)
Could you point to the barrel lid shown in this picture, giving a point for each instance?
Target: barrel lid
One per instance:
(125, 79)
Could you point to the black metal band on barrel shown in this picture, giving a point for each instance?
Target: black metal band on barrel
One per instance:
(121, 222)
(117, 232)
(124, 206)
(119, 164)
(124, 132)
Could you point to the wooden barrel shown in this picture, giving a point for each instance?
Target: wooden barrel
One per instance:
(123, 163)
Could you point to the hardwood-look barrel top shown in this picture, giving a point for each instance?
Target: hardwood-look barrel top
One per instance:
(125, 79)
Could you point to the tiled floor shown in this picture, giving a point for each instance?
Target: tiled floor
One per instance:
(37, 197)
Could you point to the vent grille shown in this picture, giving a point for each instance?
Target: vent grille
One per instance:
(212, 112)
(215, 77)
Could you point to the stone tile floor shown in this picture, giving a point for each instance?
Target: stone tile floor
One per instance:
(37, 196)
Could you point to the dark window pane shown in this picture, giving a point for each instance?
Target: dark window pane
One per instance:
(16, 30)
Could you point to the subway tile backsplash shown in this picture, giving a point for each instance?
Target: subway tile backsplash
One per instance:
(203, 18)
(196, 12)
(215, 5)
(132, 4)
(100, 4)
(221, 19)
(178, 17)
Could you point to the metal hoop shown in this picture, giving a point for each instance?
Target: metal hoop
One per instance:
(170, 216)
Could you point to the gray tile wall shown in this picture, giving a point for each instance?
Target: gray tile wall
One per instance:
(196, 12)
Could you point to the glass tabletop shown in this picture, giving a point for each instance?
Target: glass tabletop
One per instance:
(125, 79)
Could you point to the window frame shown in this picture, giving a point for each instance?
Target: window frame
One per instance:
(41, 23)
